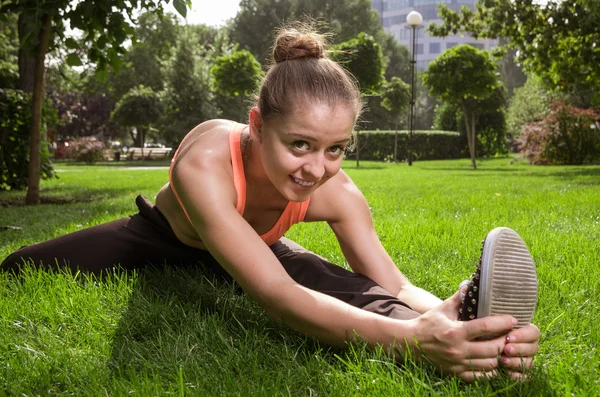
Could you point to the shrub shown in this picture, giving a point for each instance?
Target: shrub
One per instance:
(568, 135)
(427, 145)
(87, 149)
(15, 120)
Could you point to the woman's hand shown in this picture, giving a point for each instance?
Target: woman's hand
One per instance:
(521, 346)
(451, 347)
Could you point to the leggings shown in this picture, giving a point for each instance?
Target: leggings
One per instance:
(146, 239)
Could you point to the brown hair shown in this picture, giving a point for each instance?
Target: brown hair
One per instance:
(300, 73)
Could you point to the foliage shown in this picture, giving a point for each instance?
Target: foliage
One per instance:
(395, 94)
(463, 76)
(41, 26)
(491, 123)
(157, 36)
(9, 71)
(529, 103)
(82, 114)
(363, 58)
(257, 20)
(87, 149)
(187, 96)
(396, 58)
(15, 116)
(559, 41)
(426, 145)
(445, 117)
(139, 107)
(236, 75)
(396, 97)
(491, 139)
(568, 135)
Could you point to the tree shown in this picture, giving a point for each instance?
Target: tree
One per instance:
(40, 27)
(558, 41)
(397, 59)
(462, 76)
(363, 58)
(529, 103)
(396, 96)
(156, 37)
(237, 76)
(187, 96)
(139, 108)
(256, 20)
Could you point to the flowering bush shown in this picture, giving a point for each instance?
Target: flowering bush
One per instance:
(87, 149)
(568, 135)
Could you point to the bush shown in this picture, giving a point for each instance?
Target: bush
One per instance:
(87, 149)
(15, 120)
(427, 145)
(568, 135)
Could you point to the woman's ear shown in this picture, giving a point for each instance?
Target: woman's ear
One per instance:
(255, 124)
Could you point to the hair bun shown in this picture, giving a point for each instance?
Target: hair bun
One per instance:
(294, 43)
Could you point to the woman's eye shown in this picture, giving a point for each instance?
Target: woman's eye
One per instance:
(302, 145)
(336, 149)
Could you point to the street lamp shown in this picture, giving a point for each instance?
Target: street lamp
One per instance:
(413, 20)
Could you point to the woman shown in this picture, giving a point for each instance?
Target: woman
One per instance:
(234, 190)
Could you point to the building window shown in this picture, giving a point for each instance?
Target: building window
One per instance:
(419, 48)
(422, 64)
(450, 45)
(434, 48)
(479, 46)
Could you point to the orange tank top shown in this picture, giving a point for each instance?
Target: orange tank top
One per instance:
(293, 213)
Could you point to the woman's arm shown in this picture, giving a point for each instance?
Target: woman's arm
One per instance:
(207, 197)
(343, 206)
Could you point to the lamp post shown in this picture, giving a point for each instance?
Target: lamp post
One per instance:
(413, 21)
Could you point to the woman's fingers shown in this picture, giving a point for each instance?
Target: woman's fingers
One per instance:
(517, 363)
(492, 325)
(527, 334)
(486, 348)
(470, 376)
(521, 349)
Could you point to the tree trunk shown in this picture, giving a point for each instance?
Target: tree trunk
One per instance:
(26, 59)
(141, 133)
(470, 133)
(33, 174)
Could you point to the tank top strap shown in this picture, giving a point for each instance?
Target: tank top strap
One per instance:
(237, 164)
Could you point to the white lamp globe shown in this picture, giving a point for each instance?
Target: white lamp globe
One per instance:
(414, 18)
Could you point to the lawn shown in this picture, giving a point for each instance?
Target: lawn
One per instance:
(172, 332)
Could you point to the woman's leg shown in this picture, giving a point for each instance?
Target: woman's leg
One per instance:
(316, 273)
(131, 243)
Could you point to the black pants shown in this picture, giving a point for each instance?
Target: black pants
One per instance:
(146, 239)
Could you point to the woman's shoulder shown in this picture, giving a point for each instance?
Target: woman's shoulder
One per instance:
(207, 142)
(336, 198)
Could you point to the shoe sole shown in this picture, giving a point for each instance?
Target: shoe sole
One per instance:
(508, 280)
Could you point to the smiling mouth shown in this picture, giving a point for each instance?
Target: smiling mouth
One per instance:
(303, 183)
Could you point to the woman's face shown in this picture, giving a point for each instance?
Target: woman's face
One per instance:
(301, 152)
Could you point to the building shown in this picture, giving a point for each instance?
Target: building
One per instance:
(393, 18)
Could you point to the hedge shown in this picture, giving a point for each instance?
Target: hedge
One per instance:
(378, 145)
(15, 119)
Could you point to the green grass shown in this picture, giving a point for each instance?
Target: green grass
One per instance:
(169, 332)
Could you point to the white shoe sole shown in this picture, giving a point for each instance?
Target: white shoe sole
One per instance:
(508, 279)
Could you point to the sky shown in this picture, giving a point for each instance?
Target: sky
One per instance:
(208, 12)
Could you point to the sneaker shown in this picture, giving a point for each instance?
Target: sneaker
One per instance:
(505, 281)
